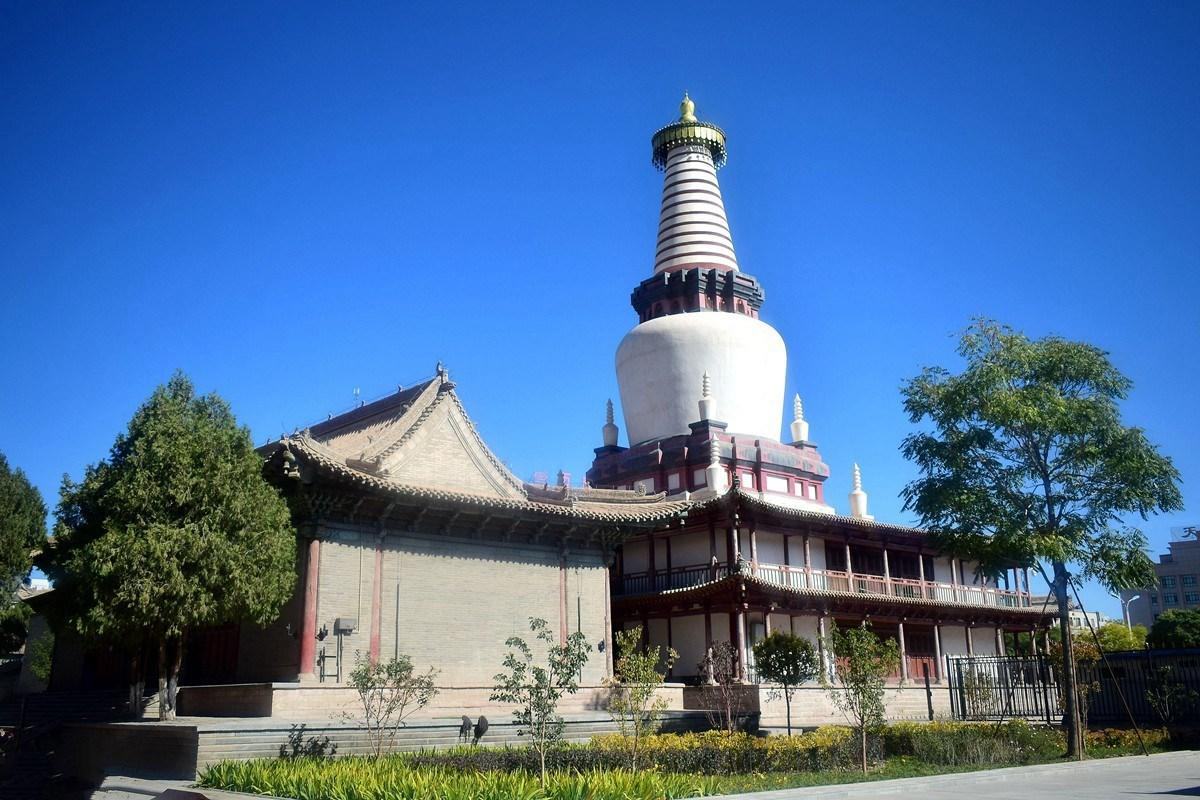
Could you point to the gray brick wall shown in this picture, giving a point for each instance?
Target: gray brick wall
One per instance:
(456, 600)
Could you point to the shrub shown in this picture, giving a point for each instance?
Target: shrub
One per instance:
(634, 703)
(954, 744)
(862, 663)
(389, 692)
(709, 753)
(536, 689)
(392, 778)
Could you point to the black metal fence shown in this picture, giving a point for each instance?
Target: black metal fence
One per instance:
(997, 687)
(1159, 687)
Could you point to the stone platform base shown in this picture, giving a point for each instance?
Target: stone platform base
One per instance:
(179, 750)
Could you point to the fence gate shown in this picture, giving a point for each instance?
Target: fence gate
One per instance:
(998, 687)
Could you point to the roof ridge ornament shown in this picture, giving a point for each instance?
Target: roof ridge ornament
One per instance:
(708, 403)
(609, 430)
(799, 424)
(688, 130)
(687, 109)
(858, 498)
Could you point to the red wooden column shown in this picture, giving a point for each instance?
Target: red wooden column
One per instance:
(308, 626)
(377, 601)
(740, 613)
(903, 650)
(753, 548)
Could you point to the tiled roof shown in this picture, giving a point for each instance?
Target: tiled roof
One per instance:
(763, 502)
(387, 446)
(634, 509)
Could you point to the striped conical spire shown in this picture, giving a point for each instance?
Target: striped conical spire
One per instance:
(693, 230)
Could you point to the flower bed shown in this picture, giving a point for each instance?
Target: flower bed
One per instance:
(684, 765)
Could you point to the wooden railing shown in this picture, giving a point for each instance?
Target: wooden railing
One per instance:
(824, 580)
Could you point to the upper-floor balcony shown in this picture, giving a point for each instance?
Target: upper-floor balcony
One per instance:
(792, 577)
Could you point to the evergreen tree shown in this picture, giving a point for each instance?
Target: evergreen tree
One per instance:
(22, 531)
(176, 529)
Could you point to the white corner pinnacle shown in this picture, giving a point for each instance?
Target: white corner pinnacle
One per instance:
(799, 424)
(708, 403)
(858, 498)
(714, 474)
(610, 427)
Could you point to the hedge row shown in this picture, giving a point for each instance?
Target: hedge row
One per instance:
(830, 747)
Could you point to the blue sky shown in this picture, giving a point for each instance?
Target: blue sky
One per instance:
(289, 201)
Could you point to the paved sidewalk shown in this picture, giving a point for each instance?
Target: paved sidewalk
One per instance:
(1166, 774)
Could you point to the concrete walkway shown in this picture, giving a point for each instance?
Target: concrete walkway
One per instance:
(1166, 775)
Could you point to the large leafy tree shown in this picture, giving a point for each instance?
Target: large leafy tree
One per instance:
(22, 531)
(1026, 458)
(176, 529)
(1176, 628)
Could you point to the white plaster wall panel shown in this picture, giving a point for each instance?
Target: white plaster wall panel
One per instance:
(984, 640)
(658, 632)
(781, 623)
(805, 625)
(770, 547)
(773, 483)
(720, 627)
(636, 556)
(660, 363)
(660, 554)
(688, 636)
(816, 552)
(941, 569)
(954, 640)
(690, 549)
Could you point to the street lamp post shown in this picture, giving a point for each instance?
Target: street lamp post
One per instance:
(1125, 610)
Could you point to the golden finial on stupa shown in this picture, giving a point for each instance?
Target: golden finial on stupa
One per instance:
(687, 109)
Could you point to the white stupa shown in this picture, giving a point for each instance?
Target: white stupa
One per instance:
(699, 313)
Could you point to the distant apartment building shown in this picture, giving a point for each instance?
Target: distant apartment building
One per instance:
(1178, 572)
(1077, 616)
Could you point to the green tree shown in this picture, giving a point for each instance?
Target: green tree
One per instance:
(788, 661)
(176, 529)
(1115, 637)
(633, 699)
(1027, 460)
(390, 692)
(536, 689)
(1175, 628)
(862, 664)
(22, 531)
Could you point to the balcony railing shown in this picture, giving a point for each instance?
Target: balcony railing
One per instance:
(826, 580)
